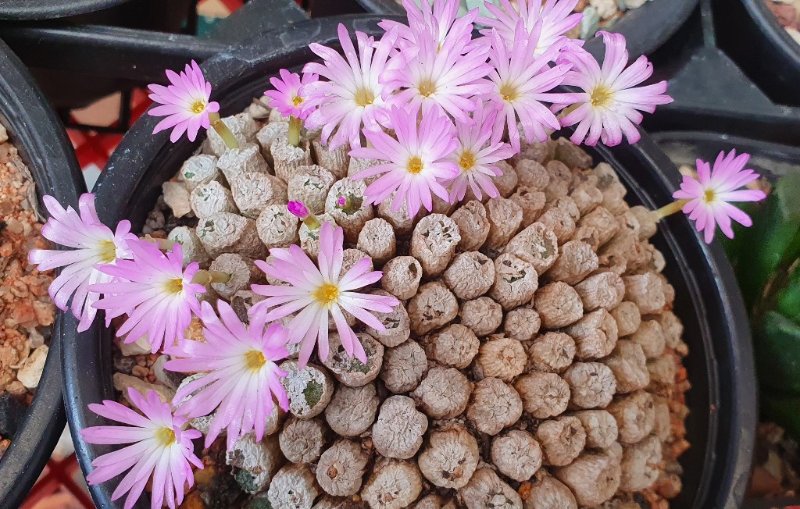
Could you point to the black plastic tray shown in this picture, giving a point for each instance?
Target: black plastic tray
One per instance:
(722, 402)
(37, 133)
(78, 63)
(711, 91)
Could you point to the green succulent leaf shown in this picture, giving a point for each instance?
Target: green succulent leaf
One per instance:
(783, 409)
(764, 252)
(777, 351)
(787, 300)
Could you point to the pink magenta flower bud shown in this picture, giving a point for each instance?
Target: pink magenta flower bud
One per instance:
(297, 208)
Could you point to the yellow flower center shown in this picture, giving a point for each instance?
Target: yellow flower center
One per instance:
(710, 196)
(364, 97)
(198, 107)
(414, 165)
(326, 294)
(509, 92)
(165, 436)
(254, 360)
(297, 101)
(427, 88)
(466, 161)
(107, 251)
(173, 286)
(601, 96)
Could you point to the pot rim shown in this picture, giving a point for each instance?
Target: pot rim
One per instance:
(768, 25)
(241, 74)
(49, 9)
(39, 137)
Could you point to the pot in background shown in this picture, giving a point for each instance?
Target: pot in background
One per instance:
(722, 401)
(750, 33)
(43, 145)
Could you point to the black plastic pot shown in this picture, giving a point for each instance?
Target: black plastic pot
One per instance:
(645, 28)
(52, 9)
(38, 135)
(151, 14)
(722, 401)
(749, 32)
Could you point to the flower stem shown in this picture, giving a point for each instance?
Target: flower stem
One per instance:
(669, 209)
(206, 277)
(295, 124)
(163, 244)
(311, 222)
(223, 131)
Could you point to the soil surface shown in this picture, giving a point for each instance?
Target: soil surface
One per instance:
(26, 312)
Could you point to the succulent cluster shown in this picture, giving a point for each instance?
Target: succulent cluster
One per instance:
(426, 153)
(534, 355)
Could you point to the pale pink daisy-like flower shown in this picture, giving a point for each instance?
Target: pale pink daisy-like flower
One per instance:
(160, 447)
(289, 97)
(440, 18)
(555, 18)
(353, 97)
(241, 378)
(707, 198)
(432, 75)
(91, 244)
(317, 293)
(154, 290)
(185, 103)
(610, 102)
(521, 82)
(417, 161)
(476, 156)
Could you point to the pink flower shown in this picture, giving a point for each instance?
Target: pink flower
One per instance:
(417, 161)
(160, 448)
(709, 196)
(439, 19)
(289, 95)
(241, 374)
(92, 244)
(609, 103)
(555, 17)
(298, 209)
(154, 291)
(433, 74)
(185, 102)
(341, 202)
(475, 156)
(317, 292)
(521, 81)
(354, 96)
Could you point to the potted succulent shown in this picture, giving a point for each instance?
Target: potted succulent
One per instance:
(521, 296)
(37, 160)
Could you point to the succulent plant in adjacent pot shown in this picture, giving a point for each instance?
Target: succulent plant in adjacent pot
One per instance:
(379, 279)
